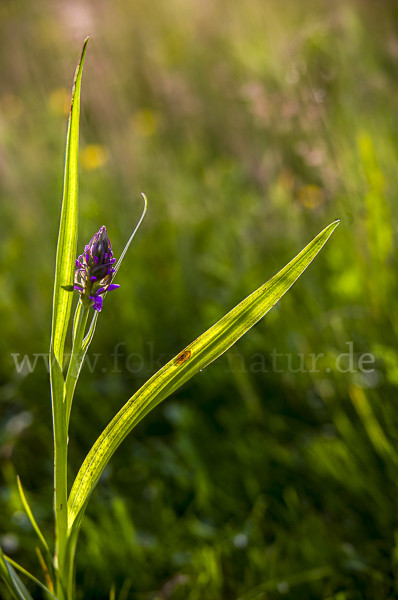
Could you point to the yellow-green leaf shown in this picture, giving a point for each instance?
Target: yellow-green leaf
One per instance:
(196, 356)
(67, 237)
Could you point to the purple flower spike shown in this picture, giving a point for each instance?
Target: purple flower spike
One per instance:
(93, 276)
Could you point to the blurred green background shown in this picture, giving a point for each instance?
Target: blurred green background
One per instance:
(250, 126)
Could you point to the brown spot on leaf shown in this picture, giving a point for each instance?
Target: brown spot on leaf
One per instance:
(183, 357)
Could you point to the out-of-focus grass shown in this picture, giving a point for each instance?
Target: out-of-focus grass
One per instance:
(250, 126)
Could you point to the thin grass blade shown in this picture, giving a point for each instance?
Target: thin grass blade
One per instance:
(195, 357)
(14, 564)
(50, 564)
(5, 575)
(13, 582)
(30, 515)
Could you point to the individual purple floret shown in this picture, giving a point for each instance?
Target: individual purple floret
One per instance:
(94, 270)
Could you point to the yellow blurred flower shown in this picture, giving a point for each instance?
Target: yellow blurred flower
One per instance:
(93, 156)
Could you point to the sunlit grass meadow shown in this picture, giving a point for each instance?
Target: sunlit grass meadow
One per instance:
(250, 126)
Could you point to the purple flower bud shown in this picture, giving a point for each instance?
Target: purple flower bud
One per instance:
(94, 272)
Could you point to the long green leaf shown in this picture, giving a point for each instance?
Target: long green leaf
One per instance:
(67, 237)
(62, 305)
(196, 356)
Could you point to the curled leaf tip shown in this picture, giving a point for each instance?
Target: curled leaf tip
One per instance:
(133, 234)
(145, 205)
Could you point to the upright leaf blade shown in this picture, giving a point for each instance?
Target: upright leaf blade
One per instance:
(62, 305)
(67, 237)
(196, 356)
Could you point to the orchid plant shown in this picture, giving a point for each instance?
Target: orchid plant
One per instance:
(92, 275)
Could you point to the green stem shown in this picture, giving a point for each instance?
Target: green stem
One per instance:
(60, 493)
(61, 414)
(62, 394)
